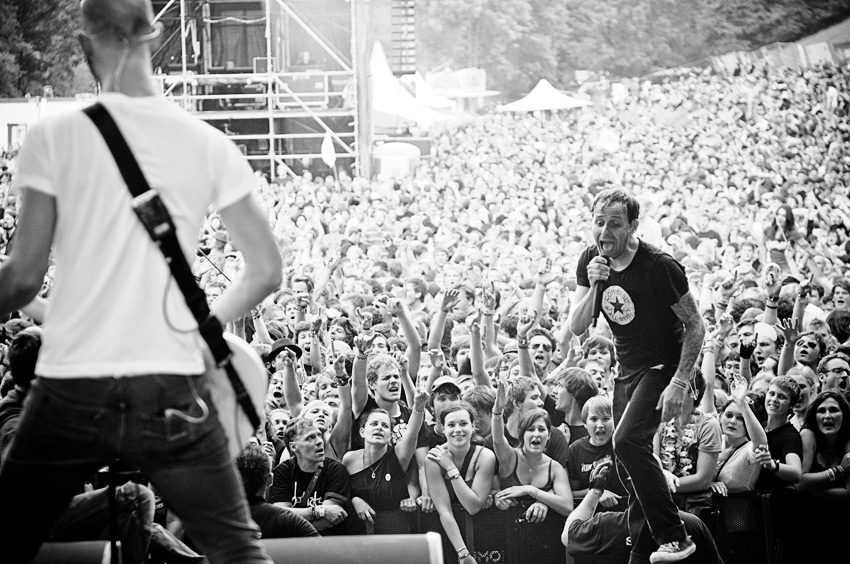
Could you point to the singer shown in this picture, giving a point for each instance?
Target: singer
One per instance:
(658, 333)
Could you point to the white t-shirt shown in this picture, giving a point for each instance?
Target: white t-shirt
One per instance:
(114, 309)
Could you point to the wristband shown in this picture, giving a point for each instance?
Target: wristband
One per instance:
(721, 305)
(422, 411)
(768, 305)
(453, 475)
(488, 312)
(497, 413)
(462, 553)
(679, 383)
(775, 468)
(830, 473)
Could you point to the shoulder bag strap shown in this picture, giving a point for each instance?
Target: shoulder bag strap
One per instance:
(156, 219)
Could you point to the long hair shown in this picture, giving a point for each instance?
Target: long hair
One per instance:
(528, 419)
(843, 432)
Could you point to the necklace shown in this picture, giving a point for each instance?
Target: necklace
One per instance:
(531, 468)
(367, 466)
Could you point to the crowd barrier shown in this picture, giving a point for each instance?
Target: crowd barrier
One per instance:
(384, 549)
(748, 528)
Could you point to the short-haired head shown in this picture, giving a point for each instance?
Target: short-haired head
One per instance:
(614, 197)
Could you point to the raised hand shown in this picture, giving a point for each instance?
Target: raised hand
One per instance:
(451, 298)
(437, 358)
(790, 329)
(725, 326)
(738, 390)
(488, 297)
(365, 320)
(364, 342)
(526, 321)
(395, 306)
(772, 279)
(501, 395)
(420, 400)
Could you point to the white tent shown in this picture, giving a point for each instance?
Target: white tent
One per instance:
(544, 96)
(393, 107)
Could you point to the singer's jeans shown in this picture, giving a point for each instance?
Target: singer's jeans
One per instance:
(652, 512)
(72, 427)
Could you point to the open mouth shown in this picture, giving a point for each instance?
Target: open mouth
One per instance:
(606, 246)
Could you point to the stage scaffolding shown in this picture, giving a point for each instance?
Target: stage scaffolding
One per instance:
(277, 76)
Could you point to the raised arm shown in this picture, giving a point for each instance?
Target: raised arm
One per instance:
(438, 323)
(411, 337)
(476, 355)
(488, 305)
(291, 389)
(505, 454)
(405, 447)
(526, 365)
(341, 433)
(359, 387)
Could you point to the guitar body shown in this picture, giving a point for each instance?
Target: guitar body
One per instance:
(254, 376)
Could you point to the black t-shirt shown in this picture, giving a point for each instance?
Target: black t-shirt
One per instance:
(276, 522)
(583, 458)
(637, 304)
(602, 539)
(290, 483)
(781, 441)
(399, 425)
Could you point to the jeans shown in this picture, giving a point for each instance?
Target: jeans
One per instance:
(72, 427)
(653, 517)
(87, 518)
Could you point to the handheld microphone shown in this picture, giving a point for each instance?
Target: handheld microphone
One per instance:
(597, 296)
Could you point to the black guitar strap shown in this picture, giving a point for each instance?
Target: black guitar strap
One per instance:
(156, 219)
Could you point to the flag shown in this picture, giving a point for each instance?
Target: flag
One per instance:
(328, 153)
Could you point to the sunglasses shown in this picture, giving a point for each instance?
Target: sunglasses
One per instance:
(545, 346)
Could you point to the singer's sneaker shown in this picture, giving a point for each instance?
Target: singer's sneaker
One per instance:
(673, 551)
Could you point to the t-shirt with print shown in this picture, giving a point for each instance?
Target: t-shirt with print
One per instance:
(290, 483)
(637, 304)
(584, 457)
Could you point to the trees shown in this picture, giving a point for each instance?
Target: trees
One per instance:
(37, 47)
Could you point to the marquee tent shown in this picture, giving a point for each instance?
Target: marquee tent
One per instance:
(544, 96)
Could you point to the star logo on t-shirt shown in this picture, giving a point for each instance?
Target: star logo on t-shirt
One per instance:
(618, 305)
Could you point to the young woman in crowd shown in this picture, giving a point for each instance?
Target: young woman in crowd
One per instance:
(459, 472)
(379, 470)
(527, 476)
(807, 380)
(825, 483)
(737, 469)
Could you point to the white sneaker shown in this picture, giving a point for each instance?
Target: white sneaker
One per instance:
(673, 551)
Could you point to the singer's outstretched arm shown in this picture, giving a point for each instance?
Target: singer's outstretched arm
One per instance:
(581, 310)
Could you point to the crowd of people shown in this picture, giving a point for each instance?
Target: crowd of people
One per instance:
(421, 356)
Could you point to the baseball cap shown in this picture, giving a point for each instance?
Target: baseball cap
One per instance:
(444, 381)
